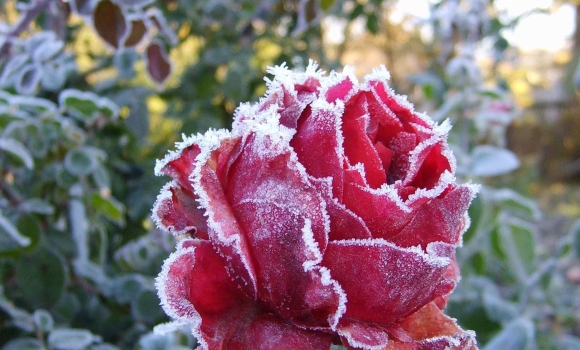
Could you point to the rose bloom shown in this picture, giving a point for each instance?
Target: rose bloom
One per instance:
(329, 214)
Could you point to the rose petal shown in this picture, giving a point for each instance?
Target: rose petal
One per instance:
(194, 287)
(432, 330)
(384, 212)
(385, 283)
(318, 144)
(179, 164)
(269, 332)
(218, 152)
(362, 336)
(358, 148)
(438, 220)
(267, 175)
(176, 211)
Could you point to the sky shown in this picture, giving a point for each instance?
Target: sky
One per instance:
(537, 31)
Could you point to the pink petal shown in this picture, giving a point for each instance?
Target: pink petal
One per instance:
(195, 288)
(438, 220)
(268, 332)
(385, 283)
(177, 212)
(340, 90)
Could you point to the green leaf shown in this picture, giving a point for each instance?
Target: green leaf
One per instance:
(82, 161)
(18, 151)
(37, 205)
(109, 207)
(71, 339)
(326, 4)
(373, 23)
(10, 237)
(24, 344)
(489, 160)
(126, 287)
(517, 335)
(146, 306)
(43, 320)
(518, 240)
(498, 309)
(41, 277)
(510, 199)
(87, 106)
(79, 227)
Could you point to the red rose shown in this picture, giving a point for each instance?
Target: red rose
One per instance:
(330, 213)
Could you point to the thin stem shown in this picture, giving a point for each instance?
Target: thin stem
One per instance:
(33, 11)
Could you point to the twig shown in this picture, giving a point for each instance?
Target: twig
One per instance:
(34, 10)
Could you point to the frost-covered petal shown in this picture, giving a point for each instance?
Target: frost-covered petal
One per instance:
(362, 336)
(318, 143)
(430, 329)
(180, 164)
(267, 176)
(438, 220)
(385, 283)
(219, 152)
(176, 211)
(384, 212)
(195, 288)
(269, 332)
(358, 148)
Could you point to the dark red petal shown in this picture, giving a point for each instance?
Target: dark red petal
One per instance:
(432, 330)
(362, 336)
(318, 145)
(385, 283)
(267, 171)
(176, 211)
(194, 287)
(284, 221)
(225, 231)
(269, 332)
(358, 148)
(344, 224)
(438, 220)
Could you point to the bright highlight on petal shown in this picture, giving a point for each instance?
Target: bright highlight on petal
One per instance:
(329, 214)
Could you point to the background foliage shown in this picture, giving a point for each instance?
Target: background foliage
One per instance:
(93, 91)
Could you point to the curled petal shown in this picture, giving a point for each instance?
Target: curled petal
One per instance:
(438, 220)
(363, 336)
(430, 329)
(176, 211)
(318, 144)
(295, 232)
(195, 288)
(385, 283)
